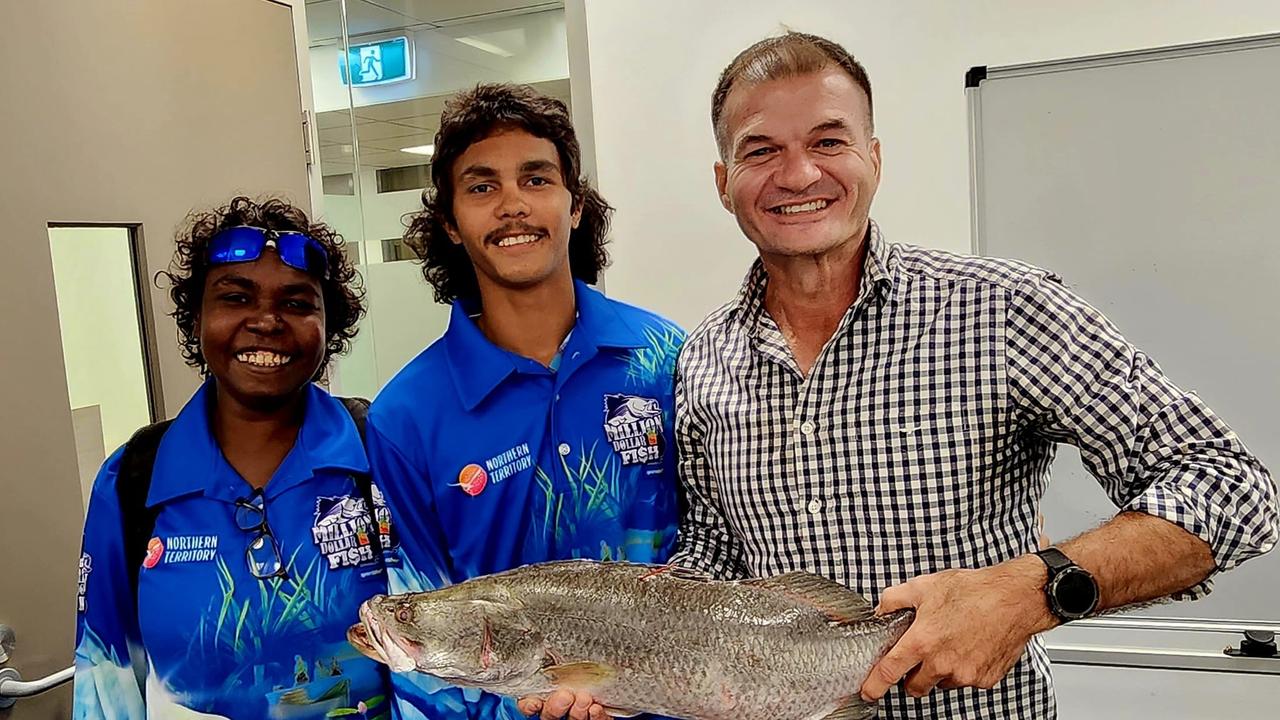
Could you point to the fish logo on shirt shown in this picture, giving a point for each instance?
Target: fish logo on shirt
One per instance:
(341, 531)
(633, 426)
(629, 409)
(338, 510)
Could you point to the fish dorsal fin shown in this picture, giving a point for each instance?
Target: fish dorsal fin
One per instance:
(853, 708)
(674, 571)
(840, 604)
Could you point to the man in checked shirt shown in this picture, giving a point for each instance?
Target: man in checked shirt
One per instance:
(883, 415)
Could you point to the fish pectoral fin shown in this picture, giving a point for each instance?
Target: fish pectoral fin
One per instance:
(854, 708)
(839, 603)
(582, 675)
(587, 676)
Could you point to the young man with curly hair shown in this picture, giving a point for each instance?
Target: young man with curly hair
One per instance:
(539, 427)
(256, 546)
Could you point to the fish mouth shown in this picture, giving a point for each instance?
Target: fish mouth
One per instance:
(373, 639)
(358, 636)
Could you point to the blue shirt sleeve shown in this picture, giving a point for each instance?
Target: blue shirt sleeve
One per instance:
(111, 666)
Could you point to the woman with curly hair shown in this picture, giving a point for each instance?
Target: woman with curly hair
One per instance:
(226, 552)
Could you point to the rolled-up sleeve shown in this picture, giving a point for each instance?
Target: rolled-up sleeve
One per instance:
(1153, 447)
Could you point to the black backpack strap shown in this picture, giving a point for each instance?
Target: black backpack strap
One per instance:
(359, 409)
(133, 482)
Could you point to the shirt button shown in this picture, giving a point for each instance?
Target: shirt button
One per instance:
(807, 427)
(564, 448)
(815, 506)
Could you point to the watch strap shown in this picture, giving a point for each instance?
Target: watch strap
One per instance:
(1055, 559)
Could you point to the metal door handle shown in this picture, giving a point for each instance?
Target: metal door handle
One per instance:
(7, 642)
(13, 689)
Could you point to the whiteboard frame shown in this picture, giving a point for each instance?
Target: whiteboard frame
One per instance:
(1089, 641)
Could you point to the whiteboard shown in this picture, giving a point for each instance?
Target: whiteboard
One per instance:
(1151, 182)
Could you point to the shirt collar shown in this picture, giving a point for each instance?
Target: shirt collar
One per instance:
(877, 270)
(478, 367)
(190, 461)
(601, 323)
(877, 281)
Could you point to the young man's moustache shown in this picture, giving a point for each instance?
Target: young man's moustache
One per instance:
(494, 236)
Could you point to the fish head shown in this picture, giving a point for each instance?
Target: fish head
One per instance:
(465, 640)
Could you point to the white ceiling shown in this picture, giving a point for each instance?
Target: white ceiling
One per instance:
(372, 16)
(382, 130)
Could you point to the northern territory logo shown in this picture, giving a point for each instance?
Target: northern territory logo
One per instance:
(178, 549)
(633, 426)
(474, 477)
(155, 551)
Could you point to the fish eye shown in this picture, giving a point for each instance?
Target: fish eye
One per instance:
(404, 613)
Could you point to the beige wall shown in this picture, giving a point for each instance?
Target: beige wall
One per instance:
(113, 111)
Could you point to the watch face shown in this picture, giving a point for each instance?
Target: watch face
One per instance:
(1075, 592)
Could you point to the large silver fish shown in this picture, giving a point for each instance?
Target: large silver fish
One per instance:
(643, 638)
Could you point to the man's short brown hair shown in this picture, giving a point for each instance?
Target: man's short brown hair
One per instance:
(788, 55)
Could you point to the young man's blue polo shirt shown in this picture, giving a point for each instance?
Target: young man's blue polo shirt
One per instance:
(202, 632)
(490, 460)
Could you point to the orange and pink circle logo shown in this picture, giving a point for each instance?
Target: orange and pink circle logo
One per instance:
(472, 479)
(155, 549)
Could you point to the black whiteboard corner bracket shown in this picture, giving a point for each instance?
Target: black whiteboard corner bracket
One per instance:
(974, 76)
(1256, 643)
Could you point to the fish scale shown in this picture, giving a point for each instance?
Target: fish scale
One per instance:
(644, 639)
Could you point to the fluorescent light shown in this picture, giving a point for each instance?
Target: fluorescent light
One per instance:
(420, 150)
(488, 47)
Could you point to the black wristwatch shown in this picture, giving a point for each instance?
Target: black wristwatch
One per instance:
(1071, 591)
